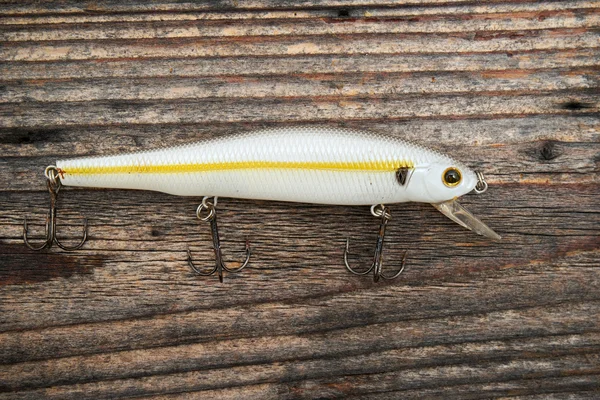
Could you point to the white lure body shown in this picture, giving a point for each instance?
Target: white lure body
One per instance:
(300, 164)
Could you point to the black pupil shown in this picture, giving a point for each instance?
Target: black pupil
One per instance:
(452, 176)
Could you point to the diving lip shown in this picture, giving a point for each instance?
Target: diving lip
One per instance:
(457, 213)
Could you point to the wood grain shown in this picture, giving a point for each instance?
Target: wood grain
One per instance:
(511, 88)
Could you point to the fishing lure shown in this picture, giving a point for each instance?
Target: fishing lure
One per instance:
(298, 164)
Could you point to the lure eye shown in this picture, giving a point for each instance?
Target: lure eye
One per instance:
(451, 177)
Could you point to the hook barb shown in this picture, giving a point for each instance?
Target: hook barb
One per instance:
(220, 266)
(377, 265)
(53, 182)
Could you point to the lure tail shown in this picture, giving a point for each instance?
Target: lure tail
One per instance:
(457, 213)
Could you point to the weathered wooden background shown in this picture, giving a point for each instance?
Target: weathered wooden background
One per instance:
(509, 87)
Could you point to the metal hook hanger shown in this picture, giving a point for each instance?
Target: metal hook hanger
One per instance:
(211, 217)
(53, 181)
(481, 185)
(384, 213)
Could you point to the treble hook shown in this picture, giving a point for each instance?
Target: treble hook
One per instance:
(53, 181)
(385, 214)
(211, 217)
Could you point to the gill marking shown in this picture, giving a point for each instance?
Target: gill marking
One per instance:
(365, 166)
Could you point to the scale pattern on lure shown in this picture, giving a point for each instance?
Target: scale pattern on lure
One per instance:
(301, 164)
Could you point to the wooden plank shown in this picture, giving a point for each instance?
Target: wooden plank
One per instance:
(372, 11)
(183, 111)
(301, 65)
(332, 386)
(559, 39)
(310, 26)
(333, 85)
(511, 88)
(73, 6)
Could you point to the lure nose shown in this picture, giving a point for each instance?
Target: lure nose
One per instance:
(457, 213)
